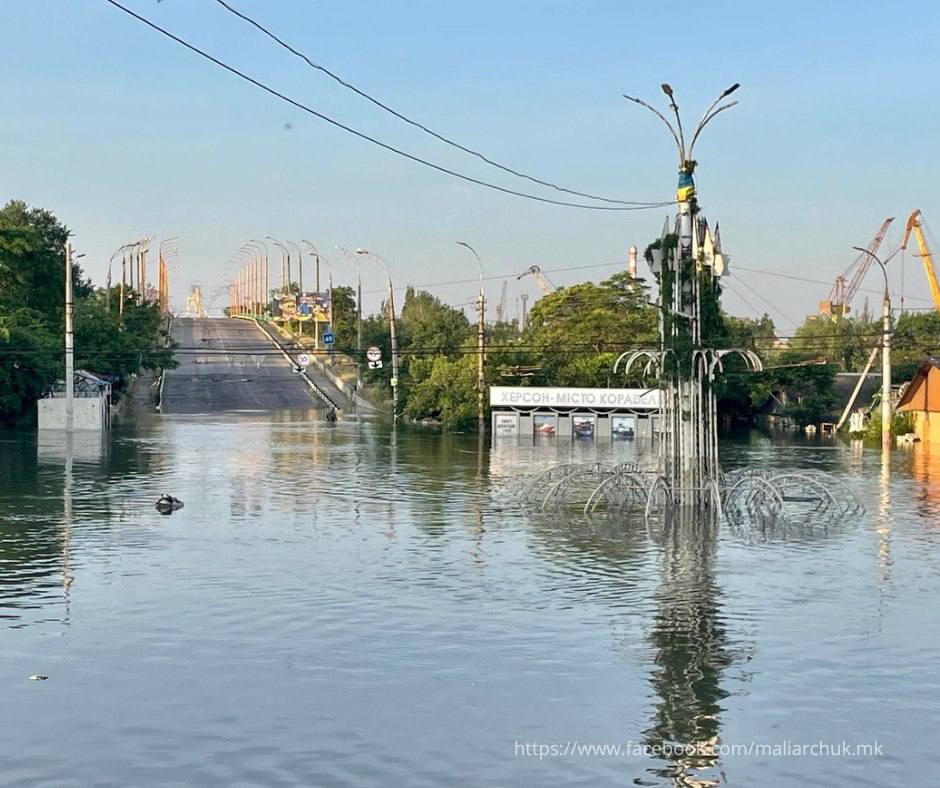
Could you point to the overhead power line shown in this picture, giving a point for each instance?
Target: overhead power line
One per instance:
(417, 124)
(362, 135)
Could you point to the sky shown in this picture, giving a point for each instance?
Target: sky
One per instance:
(123, 133)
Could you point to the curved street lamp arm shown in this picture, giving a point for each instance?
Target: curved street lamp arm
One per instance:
(706, 120)
(479, 261)
(662, 117)
(873, 256)
(316, 252)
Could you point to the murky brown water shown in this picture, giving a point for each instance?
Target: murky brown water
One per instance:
(345, 606)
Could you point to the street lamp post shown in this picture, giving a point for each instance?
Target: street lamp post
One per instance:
(689, 420)
(285, 283)
(69, 343)
(316, 257)
(265, 299)
(300, 266)
(886, 409)
(481, 343)
(300, 285)
(69, 340)
(316, 323)
(358, 320)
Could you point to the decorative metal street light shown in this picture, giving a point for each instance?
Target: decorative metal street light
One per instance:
(886, 409)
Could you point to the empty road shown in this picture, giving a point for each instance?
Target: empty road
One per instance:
(230, 365)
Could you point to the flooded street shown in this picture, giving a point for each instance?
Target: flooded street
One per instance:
(341, 605)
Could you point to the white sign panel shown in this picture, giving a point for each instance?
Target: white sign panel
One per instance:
(506, 424)
(536, 397)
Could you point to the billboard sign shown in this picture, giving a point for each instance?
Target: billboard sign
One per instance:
(315, 306)
(539, 397)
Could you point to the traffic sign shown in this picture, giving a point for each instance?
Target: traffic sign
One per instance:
(303, 360)
(375, 364)
(328, 337)
(374, 354)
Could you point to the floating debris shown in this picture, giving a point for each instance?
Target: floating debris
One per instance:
(167, 504)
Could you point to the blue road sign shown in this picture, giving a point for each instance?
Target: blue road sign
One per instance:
(328, 337)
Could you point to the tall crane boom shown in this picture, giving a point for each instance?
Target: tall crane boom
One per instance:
(543, 283)
(843, 291)
(914, 222)
(501, 306)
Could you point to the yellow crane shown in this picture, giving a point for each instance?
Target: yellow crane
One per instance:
(914, 222)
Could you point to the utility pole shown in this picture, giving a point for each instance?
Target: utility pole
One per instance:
(481, 356)
(481, 343)
(523, 318)
(331, 314)
(358, 329)
(886, 409)
(394, 343)
(123, 277)
(141, 273)
(69, 344)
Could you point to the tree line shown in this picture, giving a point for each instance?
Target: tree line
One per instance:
(32, 316)
(574, 335)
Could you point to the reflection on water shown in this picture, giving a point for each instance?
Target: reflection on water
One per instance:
(347, 605)
(688, 639)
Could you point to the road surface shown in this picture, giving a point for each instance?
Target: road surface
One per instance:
(230, 365)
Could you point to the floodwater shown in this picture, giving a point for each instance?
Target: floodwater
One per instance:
(344, 606)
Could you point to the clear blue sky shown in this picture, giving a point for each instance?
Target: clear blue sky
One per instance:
(122, 133)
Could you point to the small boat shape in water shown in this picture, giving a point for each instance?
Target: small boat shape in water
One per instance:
(167, 504)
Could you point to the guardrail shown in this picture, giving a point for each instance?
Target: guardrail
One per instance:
(159, 406)
(315, 388)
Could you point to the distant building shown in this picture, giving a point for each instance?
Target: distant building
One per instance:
(922, 398)
(92, 404)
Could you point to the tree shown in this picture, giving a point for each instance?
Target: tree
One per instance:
(916, 335)
(32, 254)
(428, 325)
(32, 298)
(577, 332)
(445, 390)
(30, 359)
(344, 318)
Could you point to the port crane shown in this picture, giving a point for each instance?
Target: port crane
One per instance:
(840, 297)
(501, 306)
(915, 223)
(543, 282)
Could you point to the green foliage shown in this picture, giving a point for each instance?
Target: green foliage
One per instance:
(577, 332)
(107, 344)
(901, 423)
(30, 359)
(846, 342)
(32, 298)
(916, 335)
(444, 389)
(344, 319)
(32, 253)
(429, 326)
